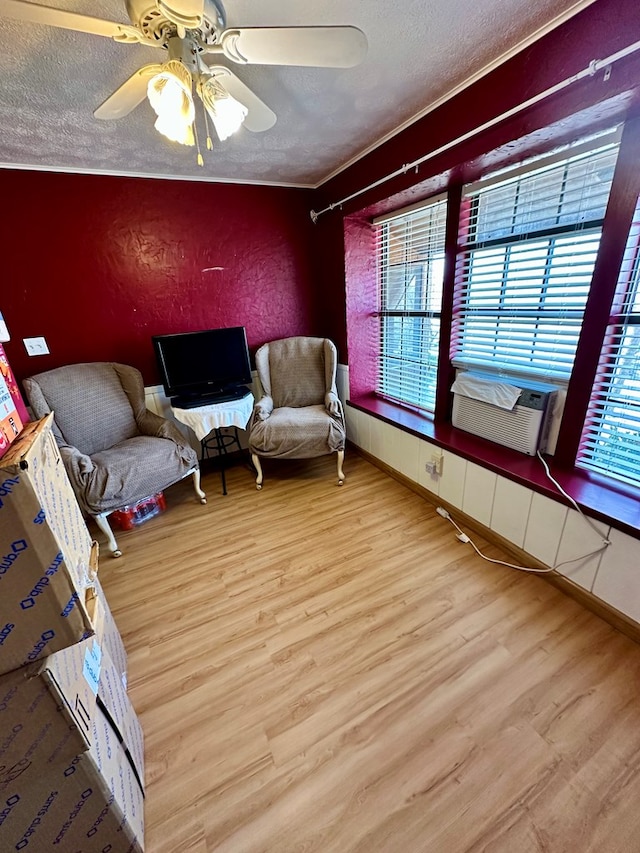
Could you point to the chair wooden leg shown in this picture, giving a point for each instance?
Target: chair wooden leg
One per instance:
(103, 524)
(340, 455)
(258, 467)
(195, 476)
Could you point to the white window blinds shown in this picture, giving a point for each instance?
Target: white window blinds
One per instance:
(528, 249)
(410, 266)
(611, 438)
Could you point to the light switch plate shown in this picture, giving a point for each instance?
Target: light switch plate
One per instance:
(36, 346)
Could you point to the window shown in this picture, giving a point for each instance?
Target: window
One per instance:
(410, 256)
(611, 438)
(527, 255)
(517, 299)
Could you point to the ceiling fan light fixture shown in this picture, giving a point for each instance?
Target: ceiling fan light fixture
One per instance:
(226, 113)
(175, 130)
(169, 93)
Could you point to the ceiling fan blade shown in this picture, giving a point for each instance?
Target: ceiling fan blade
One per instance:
(259, 117)
(127, 97)
(35, 14)
(328, 47)
(184, 13)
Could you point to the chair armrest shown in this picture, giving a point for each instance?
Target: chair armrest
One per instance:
(158, 427)
(332, 404)
(262, 408)
(79, 468)
(76, 461)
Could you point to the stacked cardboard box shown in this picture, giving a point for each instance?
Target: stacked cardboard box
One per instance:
(71, 753)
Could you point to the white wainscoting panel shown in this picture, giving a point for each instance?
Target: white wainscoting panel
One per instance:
(358, 428)
(428, 481)
(618, 579)
(510, 514)
(454, 475)
(381, 442)
(153, 394)
(578, 539)
(342, 382)
(544, 528)
(405, 449)
(479, 488)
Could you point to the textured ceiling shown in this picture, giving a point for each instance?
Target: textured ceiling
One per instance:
(51, 80)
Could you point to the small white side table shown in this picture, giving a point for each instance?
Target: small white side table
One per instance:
(205, 420)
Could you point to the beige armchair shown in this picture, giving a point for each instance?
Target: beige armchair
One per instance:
(115, 451)
(300, 414)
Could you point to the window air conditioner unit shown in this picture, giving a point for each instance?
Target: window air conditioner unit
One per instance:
(525, 427)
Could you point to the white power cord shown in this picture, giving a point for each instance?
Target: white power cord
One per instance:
(461, 536)
(572, 501)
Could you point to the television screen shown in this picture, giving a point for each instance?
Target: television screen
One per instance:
(208, 364)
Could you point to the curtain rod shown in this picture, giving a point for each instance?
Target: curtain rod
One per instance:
(590, 71)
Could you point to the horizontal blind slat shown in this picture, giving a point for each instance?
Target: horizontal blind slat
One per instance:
(611, 437)
(410, 260)
(521, 299)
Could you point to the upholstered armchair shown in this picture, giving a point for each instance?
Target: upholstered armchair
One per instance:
(300, 414)
(115, 451)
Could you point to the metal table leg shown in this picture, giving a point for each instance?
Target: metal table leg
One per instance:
(222, 441)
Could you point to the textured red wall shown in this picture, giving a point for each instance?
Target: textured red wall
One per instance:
(99, 264)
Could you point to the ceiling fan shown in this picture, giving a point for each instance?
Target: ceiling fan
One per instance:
(194, 35)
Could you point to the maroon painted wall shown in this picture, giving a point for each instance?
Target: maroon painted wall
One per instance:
(99, 264)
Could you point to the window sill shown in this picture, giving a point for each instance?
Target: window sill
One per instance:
(612, 503)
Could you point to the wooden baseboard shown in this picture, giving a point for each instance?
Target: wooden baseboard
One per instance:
(614, 617)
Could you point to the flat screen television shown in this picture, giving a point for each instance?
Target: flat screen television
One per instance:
(199, 367)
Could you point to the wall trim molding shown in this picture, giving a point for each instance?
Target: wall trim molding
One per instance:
(613, 617)
(117, 173)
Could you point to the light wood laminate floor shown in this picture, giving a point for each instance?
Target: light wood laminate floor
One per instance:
(328, 669)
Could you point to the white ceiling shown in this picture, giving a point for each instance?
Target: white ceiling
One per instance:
(51, 80)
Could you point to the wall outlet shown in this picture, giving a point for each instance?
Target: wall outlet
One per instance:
(36, 346)
(434, 465)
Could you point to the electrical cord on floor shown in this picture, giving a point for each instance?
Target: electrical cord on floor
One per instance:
(461, 536)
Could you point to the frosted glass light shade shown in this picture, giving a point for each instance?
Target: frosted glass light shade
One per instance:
(169, 93)
(226, 113)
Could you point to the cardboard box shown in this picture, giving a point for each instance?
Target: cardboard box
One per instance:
(45, 552)
(47, 709)
(92, 804)
(46, 713)
(110, 635)
(71, 754)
